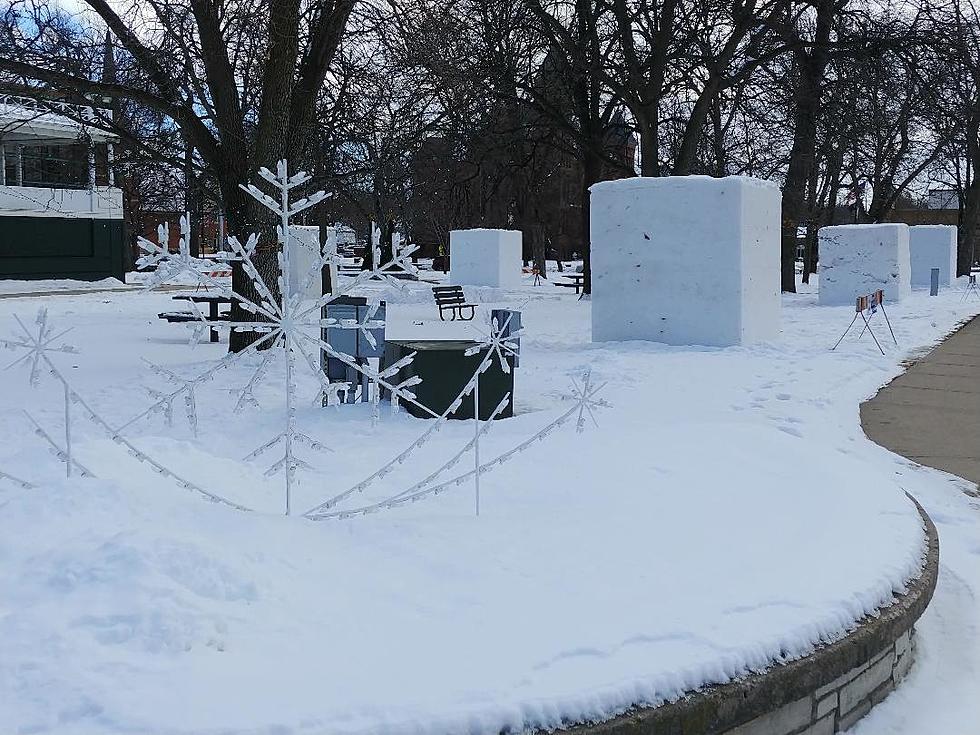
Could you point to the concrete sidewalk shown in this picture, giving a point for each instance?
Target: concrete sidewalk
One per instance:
(931, 413)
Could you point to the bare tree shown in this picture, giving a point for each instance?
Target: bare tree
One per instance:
(240, 80)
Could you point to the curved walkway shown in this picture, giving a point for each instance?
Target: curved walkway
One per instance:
(931, 413)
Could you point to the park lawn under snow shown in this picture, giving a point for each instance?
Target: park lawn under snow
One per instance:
(727, 513)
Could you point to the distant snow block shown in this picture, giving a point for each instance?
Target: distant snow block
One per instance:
(303, 255)
(860, 259)
(932, 246)
(485, 258)
(685, 260)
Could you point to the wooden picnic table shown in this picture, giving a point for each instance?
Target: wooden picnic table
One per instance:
(212, 300)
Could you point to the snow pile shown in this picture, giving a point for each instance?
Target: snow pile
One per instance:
(932, 246)
(856, 260)
(627, 565)
(485, 258)
(685, 260)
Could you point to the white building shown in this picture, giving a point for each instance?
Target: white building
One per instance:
(62, 214)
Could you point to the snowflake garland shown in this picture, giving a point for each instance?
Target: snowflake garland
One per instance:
(292, 328)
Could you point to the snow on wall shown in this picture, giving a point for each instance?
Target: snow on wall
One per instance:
(685, 260)
(483, 257)
(932, 246)
(860, 259)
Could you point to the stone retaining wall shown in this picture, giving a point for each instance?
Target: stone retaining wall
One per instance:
(823, 693)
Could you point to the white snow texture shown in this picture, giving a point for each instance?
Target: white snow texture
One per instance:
(856, 260)
(687, 260)
(483, 257)
(932, 246)
(625, 566)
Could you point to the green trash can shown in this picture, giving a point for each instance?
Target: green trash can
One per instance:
(445, 369)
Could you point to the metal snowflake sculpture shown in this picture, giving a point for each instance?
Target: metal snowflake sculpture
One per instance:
(165, 264)
(37, 346)
(292, 330)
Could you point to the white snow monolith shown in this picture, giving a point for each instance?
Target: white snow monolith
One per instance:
(932, 246)
(685, 260)
(303, 254)
(860, 259)
(485, 258)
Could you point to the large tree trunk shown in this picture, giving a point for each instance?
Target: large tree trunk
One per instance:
(270, 147)
(538, 254)
(591, 170)
(810, 68)
(969, 231)
(649, 144)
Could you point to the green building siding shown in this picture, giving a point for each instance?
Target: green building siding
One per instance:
(61, 247)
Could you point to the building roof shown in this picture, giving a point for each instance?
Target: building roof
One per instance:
(29, 121)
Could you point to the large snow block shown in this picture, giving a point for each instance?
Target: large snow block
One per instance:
(860, 259)
(932, 246)
(304, 253)
(485, 258)
(685, 260)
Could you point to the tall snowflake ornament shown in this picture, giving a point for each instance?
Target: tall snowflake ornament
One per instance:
(283, 320)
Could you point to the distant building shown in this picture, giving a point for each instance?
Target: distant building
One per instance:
(943, 199)
(62, 215)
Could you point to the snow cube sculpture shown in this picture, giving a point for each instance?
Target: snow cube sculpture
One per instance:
(860, 259)
(485, 258)
(686, 260)
(303, 253)
(932, 246)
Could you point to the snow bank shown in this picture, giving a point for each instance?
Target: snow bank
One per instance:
(856, 260)
(485, 258)
(932, 246)
(685, 260)
(623, 566)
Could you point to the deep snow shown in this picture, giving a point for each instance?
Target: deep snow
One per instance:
(727, 513)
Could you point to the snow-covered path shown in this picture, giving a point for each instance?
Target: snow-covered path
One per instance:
(727, 513)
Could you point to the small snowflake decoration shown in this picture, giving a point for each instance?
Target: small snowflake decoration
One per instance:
(585, 396)
(36, 344)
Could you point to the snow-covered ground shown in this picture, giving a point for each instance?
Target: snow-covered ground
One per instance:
(53, 285)
(727, 513)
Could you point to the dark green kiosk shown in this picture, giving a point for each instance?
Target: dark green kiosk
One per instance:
(445, 369)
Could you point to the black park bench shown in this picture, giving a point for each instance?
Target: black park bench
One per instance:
(451, 298)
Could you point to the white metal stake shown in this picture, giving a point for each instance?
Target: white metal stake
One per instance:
(67, 430)
(476, 439)
(287, 317)
(289, 426)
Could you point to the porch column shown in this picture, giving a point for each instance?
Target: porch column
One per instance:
(91, 166)
(19, 177)
(3, 165)
(112, 174)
